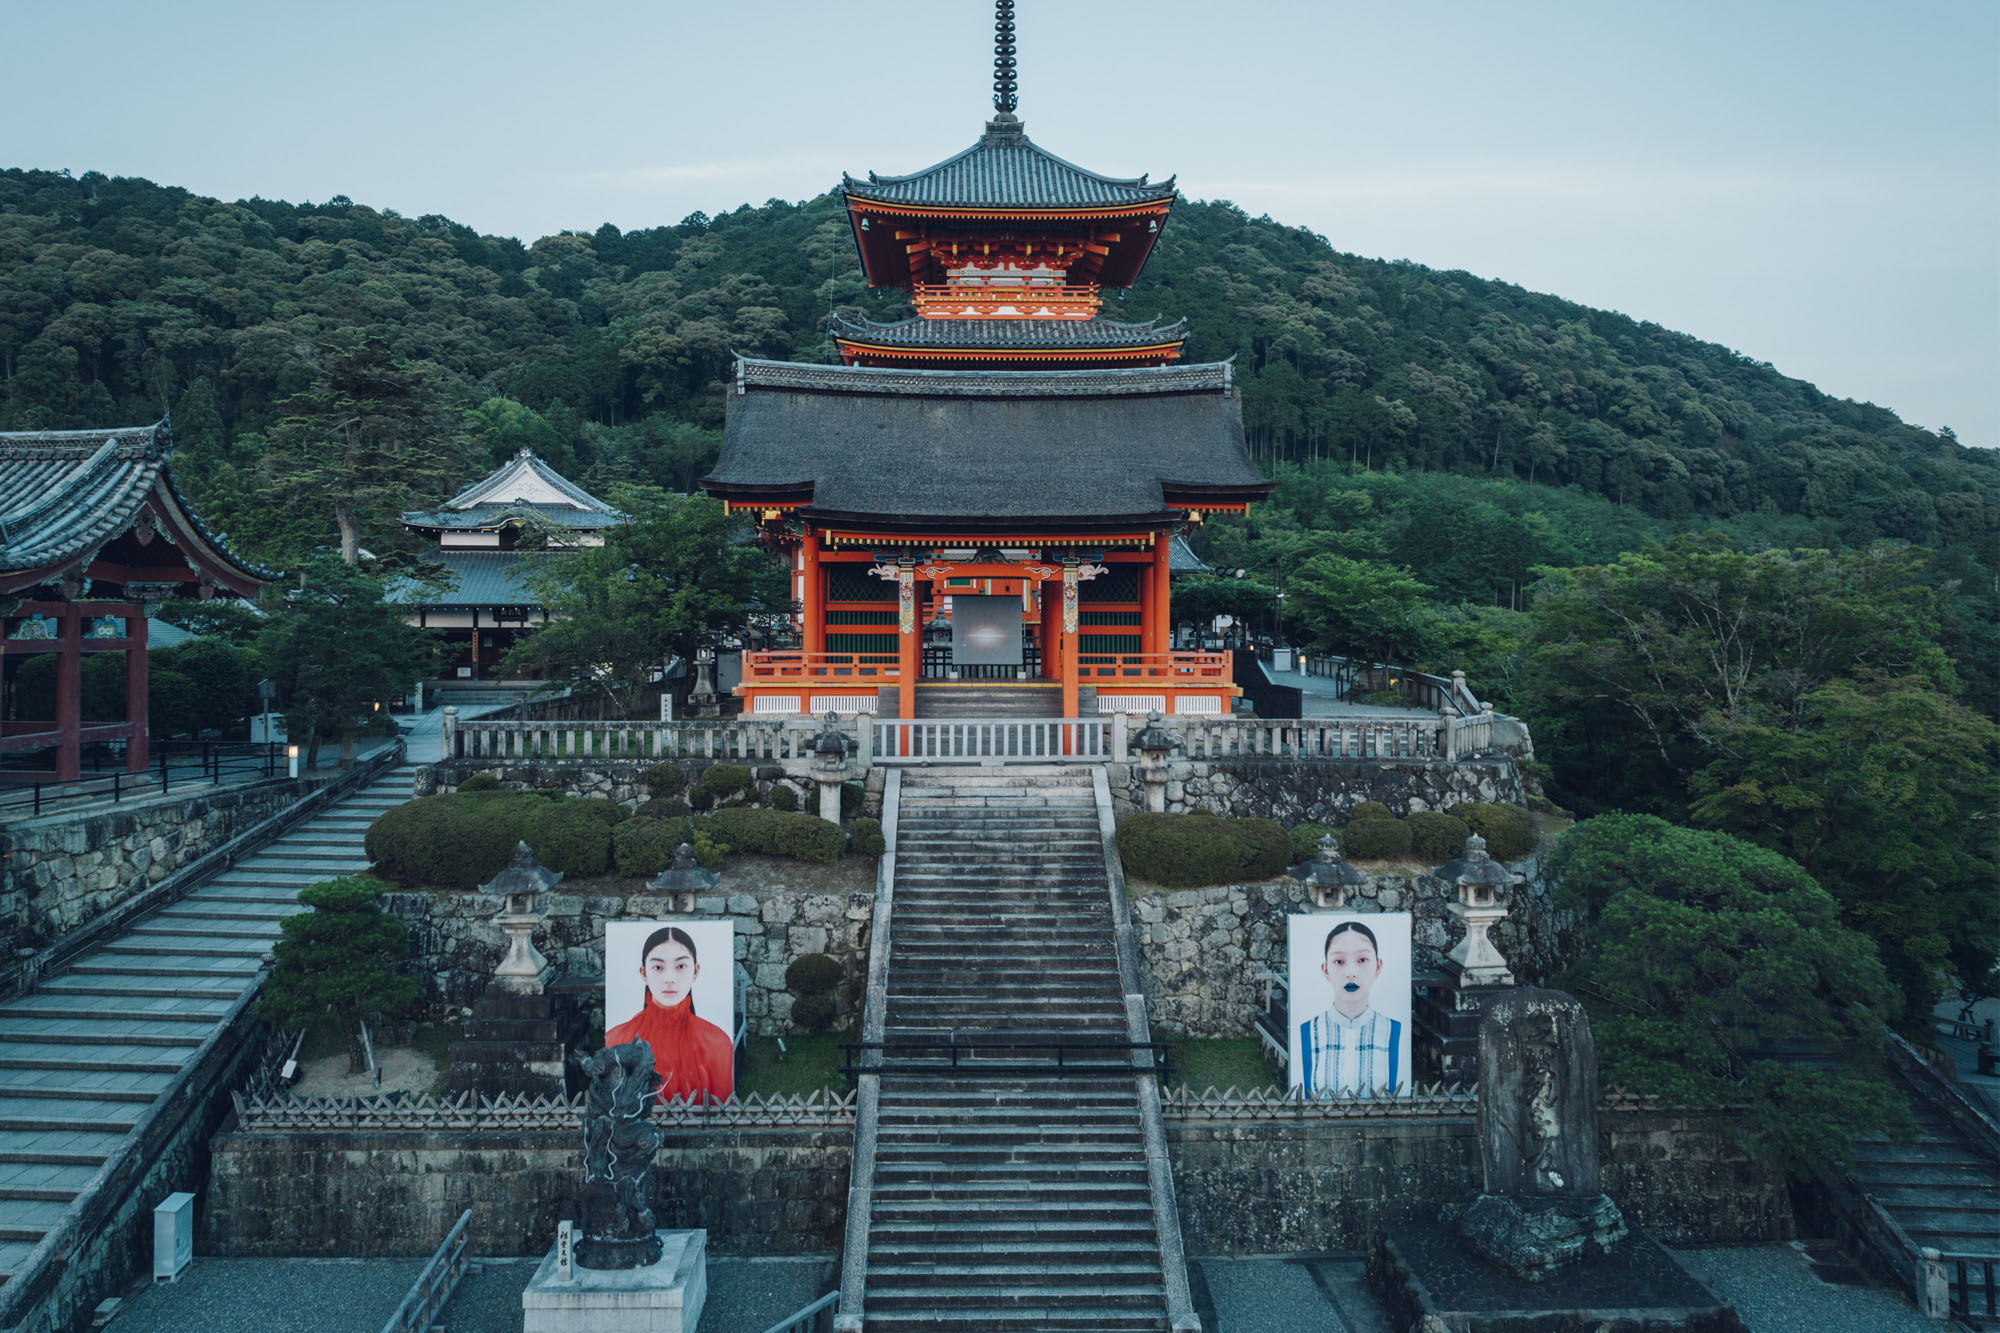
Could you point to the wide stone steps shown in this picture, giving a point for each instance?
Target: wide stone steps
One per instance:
(1943, 1189)
(85, 1054)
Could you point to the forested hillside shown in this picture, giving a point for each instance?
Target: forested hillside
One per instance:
(119, 298)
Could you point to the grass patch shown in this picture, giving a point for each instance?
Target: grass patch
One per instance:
(1222, 1063)
(809, 1064)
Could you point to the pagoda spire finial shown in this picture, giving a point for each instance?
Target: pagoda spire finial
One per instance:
(1004, 100)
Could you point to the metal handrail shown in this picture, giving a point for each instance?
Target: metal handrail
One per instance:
(431, 1292)
(815, 1318)
(1022, 1043)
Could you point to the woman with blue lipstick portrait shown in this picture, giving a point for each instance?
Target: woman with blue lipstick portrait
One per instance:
(1351, 1048)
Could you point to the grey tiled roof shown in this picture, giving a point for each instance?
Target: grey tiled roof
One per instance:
(1181, 558)
(478, 578)
(498, 515)
(1006, 169)
(522, 470)
(1002, 333)
(1205, 377)
(64, 493)
(998, 446)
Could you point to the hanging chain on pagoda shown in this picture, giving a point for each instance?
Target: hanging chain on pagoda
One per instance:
(1003, 56)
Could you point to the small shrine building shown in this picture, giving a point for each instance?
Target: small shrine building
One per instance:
(485, 604)
(986, 496)
(94, 535)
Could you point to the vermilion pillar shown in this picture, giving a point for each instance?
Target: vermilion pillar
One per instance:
(1068, 641)
(69, 693)
(1149, 629)
(1160, 613)
(812, 594)
(909, 642)
(135, 689)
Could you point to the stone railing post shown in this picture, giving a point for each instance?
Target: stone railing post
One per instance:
(1933, 1284)
(1448, 732)
(1119, 753)
(448, 729)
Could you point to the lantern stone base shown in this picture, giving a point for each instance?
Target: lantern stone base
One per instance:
(665, 1297)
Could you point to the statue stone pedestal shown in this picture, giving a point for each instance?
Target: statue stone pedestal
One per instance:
(663, 1297)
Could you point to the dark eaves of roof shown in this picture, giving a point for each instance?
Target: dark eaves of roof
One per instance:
(922, 332)
(1007, 169)
(1126, 381)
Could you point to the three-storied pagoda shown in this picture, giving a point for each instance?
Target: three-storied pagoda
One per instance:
(985, 496)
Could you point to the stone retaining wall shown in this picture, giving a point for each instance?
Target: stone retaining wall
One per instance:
(1327, 1185)
(457, 945)
(1320, 791)
(360, 1194)
(1202, 951)
(61, 871)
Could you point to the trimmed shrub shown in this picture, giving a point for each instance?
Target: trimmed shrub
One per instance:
(812, 1013)
(1510, 830)
(664, 780)
(1186, 851)
(478, 782)
(782, 798)
(1370, 810)
(700, 797)
(1305, 840)
(645, 847)
(853, 800)
(813, 974)
(572, 837)
(1437, 837)
(722, 781)
(777, 833)
(662, 807)
(1376, 839)
(612, 813)
(864, 837)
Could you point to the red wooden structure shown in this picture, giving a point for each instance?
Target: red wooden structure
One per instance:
(93, 532)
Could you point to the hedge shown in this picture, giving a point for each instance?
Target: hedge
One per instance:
(782, 797)
(664, 780)
(1370, 810)
(1376, 839)
(662, 807)
(1437, 837)
(864, 837)
(1510, 830)
(813, 974)
(645, 847)
(479, 782)
(775, 833)
(722, 781)
(1187, 851)
(461, 841)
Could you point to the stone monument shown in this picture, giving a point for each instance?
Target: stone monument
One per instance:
(627, 1277)
(1542, 1246)
(512, 1043)
(1543, 1206)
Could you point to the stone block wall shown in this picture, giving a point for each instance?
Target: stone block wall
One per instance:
(1327, 1185)
(457, 945)
(1201, 951)
(61, 871)
(361, 1194)
(1319, 791)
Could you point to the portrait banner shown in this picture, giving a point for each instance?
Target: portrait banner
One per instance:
(672, 985)
(1350, 984)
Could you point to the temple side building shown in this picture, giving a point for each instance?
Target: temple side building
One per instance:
(486, 605)
(95, 534)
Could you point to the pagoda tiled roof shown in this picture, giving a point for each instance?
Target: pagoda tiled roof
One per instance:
(1007, 333)
(65, 493)
(1007, 169)
(519, 478)
(985, 447)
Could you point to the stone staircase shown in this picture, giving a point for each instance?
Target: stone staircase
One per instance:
(84, 1054)
(1943, 1190)
(1003, 1200)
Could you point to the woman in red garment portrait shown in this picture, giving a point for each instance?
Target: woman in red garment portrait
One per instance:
(692, 1057)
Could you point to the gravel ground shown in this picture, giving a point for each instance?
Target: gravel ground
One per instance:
(359, 1295)
(1775, 1290)
(1297, 1295)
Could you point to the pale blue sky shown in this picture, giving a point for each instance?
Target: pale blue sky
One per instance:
(1815, 183)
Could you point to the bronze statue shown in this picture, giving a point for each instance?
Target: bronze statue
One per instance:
(618, 1147)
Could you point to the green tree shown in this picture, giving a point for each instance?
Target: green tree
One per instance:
(678, 569)
(1719, 975)
(367, 437)
(336, 654)
(1358, 608)
(338, 966)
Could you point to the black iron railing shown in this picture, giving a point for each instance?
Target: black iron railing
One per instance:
(169, 764)
(1043, 1054)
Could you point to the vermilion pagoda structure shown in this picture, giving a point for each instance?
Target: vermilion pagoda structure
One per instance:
(983, 498)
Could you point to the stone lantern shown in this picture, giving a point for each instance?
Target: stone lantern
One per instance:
(705, 701)
(1154, 743)
(520, 972)
(681, 881)
(1329, 876)
(1478, 879)
(829, 765)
